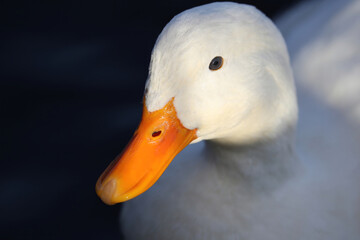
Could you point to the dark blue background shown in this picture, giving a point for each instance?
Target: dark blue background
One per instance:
(71, 84)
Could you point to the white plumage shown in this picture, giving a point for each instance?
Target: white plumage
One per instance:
(245, 181)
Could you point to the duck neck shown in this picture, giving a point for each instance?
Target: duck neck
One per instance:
(259, 166)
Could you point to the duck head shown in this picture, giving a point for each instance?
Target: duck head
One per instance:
(218, 72)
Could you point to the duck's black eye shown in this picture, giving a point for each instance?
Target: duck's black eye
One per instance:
(216, 63)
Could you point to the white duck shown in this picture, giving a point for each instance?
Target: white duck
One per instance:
(221, 73)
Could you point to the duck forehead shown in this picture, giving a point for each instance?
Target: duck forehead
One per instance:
(188, 43)
(176, 67)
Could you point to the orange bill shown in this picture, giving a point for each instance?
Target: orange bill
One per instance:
(159, 138)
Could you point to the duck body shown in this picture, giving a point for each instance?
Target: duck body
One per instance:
(213, 201)
(242, 179)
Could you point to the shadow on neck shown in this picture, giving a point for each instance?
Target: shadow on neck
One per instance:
(259, 166)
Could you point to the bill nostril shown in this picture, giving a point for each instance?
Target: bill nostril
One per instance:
(156, 133)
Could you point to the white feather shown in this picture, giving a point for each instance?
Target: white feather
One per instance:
(245, 181)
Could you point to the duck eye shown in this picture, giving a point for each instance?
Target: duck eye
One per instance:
(216, 63)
